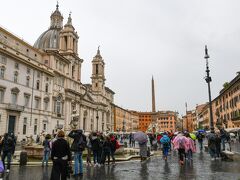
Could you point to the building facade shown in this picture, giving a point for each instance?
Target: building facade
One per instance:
(124, 120)
(166, 121)
(226, 106)
(189, 120)
(40, 85)
(135, 121)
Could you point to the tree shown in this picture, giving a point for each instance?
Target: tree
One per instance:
(225, 85)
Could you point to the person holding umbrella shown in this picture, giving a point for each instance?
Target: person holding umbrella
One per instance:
(180, 143)
(190, 147)
(142, 140)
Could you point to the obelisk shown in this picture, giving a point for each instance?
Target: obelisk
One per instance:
(153, 96)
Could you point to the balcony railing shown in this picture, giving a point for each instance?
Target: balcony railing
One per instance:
(15, 107)
(237, 118)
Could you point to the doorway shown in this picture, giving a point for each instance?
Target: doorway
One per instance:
(11, 124)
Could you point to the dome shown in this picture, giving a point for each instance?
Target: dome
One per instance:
(50, 38)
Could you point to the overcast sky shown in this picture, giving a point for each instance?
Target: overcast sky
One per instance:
(141, 38)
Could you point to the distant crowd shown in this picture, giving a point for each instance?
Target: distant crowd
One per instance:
(100, 148)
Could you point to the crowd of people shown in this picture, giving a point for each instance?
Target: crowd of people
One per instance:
(101, 148)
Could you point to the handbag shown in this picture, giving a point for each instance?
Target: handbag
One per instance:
(1, 167)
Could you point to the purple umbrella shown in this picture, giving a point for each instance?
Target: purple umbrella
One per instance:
(141, 137)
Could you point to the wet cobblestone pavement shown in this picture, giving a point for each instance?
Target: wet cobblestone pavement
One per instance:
(155, 168)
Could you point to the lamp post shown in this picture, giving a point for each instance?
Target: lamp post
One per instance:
(208, 80)
(97, 118)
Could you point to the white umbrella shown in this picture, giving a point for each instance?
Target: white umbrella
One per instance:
(232, 134)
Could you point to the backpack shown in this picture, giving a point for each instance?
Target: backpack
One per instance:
(165, 142)
(181, 143)
(81, 144)
(46, 144)
(117, 145)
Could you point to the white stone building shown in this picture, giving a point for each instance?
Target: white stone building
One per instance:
(40, 85)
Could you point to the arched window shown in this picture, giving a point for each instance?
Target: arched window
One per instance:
(15, 77)
(58, 105)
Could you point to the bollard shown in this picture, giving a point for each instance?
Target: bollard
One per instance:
(23, 158)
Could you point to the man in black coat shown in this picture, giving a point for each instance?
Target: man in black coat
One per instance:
(8, 148)
(78, 146)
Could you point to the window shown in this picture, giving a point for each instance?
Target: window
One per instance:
(3, 60)
(46, 88)
(35, 126)
(96, 68)
(73, 71)
(2, 91)
(14, 98)
(27, 81)
(46, 61)
(46, 100)
(28, 70)
(26, 100)
(2, 72)
(58, 105)
(44, 127)
(16, 66)
(37, 102)
(24, 126)
(38, 85)
(15, 77)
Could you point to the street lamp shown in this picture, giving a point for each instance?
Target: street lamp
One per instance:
(208, 80)
(97, 118)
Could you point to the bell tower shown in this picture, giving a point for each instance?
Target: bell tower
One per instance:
(69, 38)
(98, 77)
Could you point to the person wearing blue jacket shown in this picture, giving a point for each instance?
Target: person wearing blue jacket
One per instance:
(165, 141)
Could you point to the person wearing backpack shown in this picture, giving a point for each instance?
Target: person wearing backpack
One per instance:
(190, 147)
(223, 134)
(95, 149)
(212, 145)
(106, 150)
(165, 141)
(114, 147)
(200, 140)
(78, 146)
(46, 149)
(8, 148)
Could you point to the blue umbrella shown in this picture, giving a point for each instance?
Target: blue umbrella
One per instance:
(201, 130)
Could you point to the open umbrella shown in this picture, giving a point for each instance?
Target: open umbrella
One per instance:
(193, 136)
(232, 134)
(201, 130)
(141, 137)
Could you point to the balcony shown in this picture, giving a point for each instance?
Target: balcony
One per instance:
(15, 107)
(236, 118)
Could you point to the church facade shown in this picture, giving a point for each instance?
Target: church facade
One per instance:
(41, 88)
